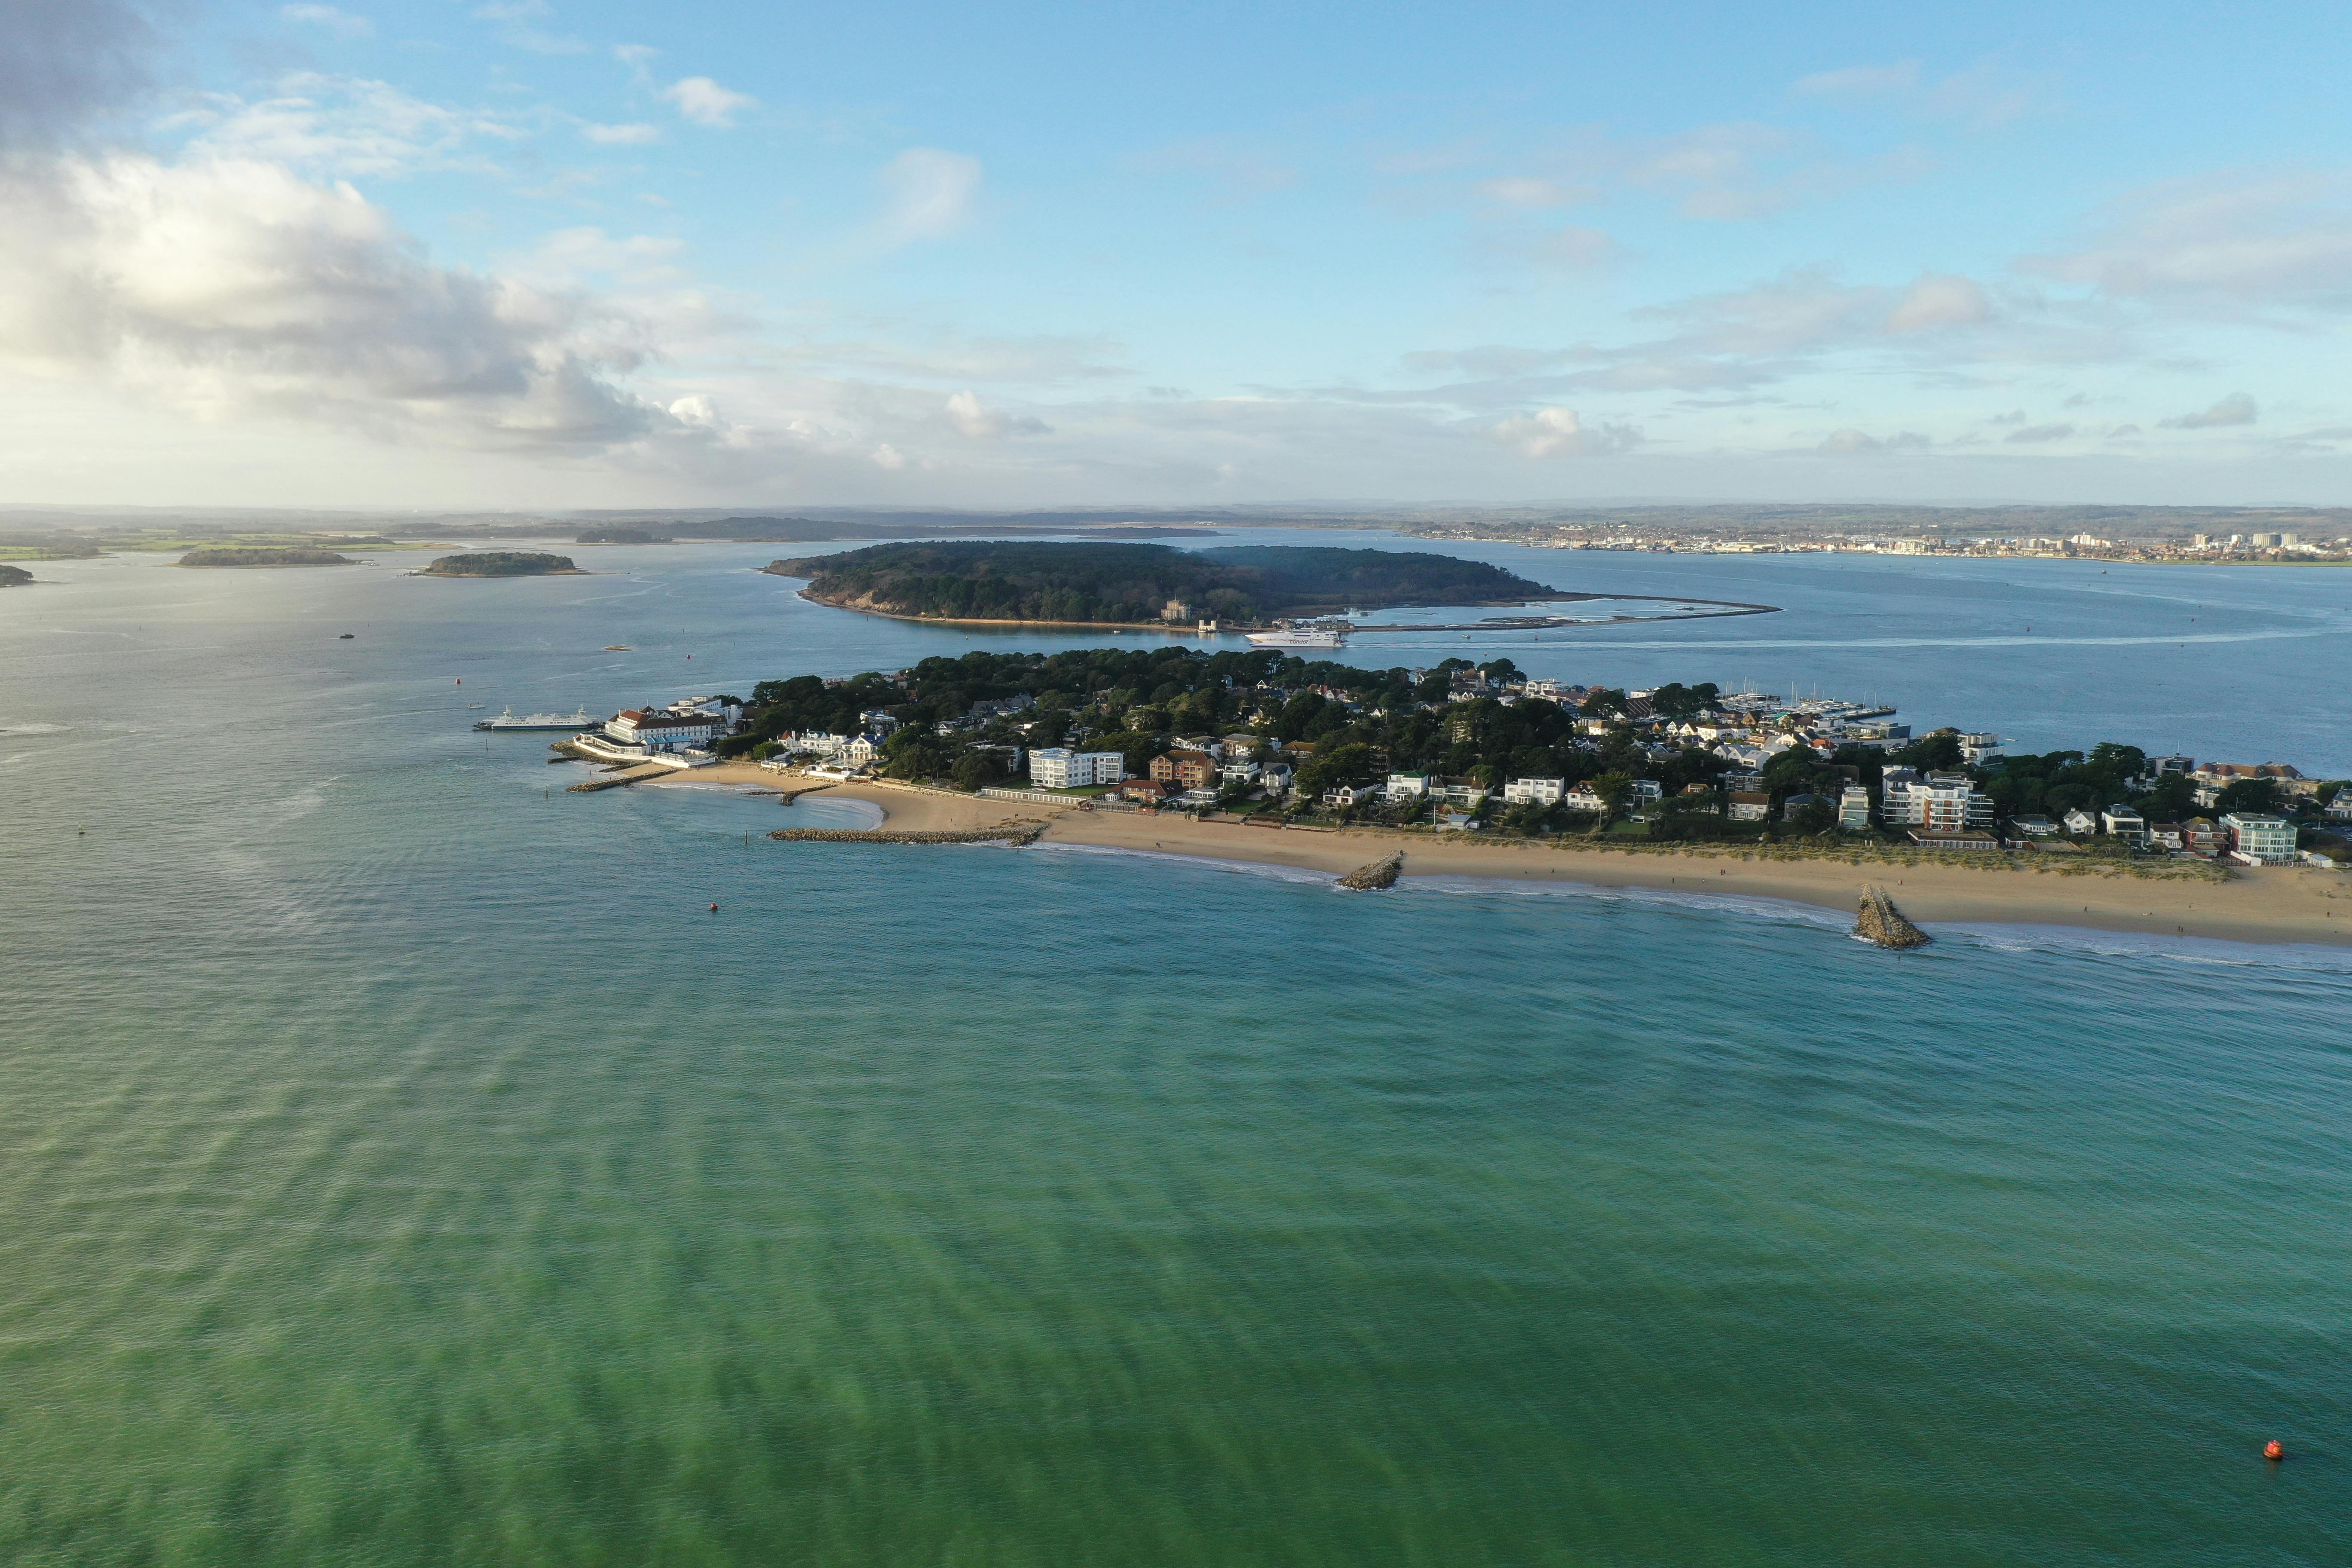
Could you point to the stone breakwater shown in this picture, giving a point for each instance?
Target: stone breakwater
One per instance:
(1380, 873)
(1880, 921)
(1017, 833)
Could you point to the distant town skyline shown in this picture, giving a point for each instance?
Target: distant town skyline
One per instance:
(528, 254)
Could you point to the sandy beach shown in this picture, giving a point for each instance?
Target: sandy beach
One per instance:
(2265, 904)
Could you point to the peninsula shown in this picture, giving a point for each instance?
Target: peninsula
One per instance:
(264, 555)
(1144, 585)
(502, 563)
(1484, 772)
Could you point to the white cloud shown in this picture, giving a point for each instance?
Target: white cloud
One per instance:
(1861, 81)
(230, 286)
(931, 193)
(620, 135)
(2039, 435)
(975, 422)
(1244, 173)
(1558, 433)
(638, 57)
(2243, 242)
(1939, 300)
(889, 458)
(347, 126)
(705, 102)
(516, 18)
(1525, 191)
(1852, 443)
(2238, 408)
(1985, 95)
(341, 23)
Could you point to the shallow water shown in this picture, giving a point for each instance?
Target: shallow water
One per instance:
(397, 1168)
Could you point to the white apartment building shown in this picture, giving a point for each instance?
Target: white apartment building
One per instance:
(1537, 791)
(1058, 767)
(2269, 840)
(1942, 803)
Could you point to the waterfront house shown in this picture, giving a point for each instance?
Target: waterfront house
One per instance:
(2202, 836)
(2035, 826)
(861, 750)
(1466, 794)
(1795, 804)
(2080, 821)
(2340, 808)
(1188, 769)
(1402, 787)
(1239, 770)
(2122, 822)
(1854, 808)
(1747, 805)
(1145, 792)
(2260, 840)
(1646, 794)
(1276, 777)
(1534, 792)
(1583, 798)
(1350, 794)
(2166, 836)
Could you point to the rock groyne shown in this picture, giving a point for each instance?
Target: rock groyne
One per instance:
(1881, 922)
(1380, 873)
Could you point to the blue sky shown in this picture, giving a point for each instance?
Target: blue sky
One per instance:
(522, 253)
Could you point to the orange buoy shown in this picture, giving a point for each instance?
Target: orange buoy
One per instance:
(2275, 1451)
(714, 909)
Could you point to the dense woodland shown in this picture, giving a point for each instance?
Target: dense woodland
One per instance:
(1128, 584)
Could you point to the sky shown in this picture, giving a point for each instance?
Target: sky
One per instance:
(460, 254)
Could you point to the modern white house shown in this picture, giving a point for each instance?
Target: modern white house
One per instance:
(1239, 770)
(1854, 807)
(1406, 786)
(1058, 767)
(2123, 822)
(1276, 777)
(1534, 792)
(2262, 840)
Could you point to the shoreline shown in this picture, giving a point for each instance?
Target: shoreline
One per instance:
(1728, 608)
(2268, 905)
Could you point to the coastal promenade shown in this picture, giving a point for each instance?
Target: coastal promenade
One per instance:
(2267, 904)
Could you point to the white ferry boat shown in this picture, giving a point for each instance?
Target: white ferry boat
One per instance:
(507, 720)
(1326, 635)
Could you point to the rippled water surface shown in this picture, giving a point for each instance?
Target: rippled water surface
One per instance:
(400, 1163)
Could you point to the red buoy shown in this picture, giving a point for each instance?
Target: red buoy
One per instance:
(2275, 1451)
(714, 909)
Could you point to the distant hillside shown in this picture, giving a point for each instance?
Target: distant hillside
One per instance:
(263, 555)
(613, 534)
(1110, 585)
(501, 563)
(14, 576)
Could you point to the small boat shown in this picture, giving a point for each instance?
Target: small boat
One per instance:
(346, 637)
(617, 648)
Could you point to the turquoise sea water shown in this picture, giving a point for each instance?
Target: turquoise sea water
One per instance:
(399, 1163)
